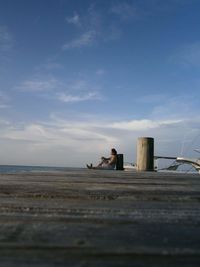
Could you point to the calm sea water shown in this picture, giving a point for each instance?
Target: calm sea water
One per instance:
(21, 169)
(17, 169)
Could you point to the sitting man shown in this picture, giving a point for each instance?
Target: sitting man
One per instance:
(106, 163)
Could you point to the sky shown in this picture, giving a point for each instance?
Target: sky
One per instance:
(78, 78)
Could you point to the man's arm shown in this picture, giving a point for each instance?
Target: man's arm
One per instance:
(103, 158)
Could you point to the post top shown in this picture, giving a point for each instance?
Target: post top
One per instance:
(145, 138)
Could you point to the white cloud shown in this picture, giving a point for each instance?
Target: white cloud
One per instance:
(84, 40)
(75, 19)
(138, 125)
(78, 91)
(32, 133)
(105, 23)
(93, 28)
(74, 91)
(68, 98)
(76, 142)
(64, 144)
(38, 85)
(125, 11)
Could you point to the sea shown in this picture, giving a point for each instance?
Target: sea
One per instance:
(21, 169)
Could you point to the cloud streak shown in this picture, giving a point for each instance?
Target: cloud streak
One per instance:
(64, 91)
(138, 125)
(95, 26)
(124, 11)
(86, 39)
(37, 85)
(68, 98)
(75, 19)
(92, 28)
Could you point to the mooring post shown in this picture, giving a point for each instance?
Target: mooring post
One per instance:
(145, 154)
(120, 162)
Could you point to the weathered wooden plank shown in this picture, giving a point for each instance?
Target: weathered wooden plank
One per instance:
(99, 218)
(61, 257)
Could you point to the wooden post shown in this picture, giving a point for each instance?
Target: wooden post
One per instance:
(145, 154)
(120, 162)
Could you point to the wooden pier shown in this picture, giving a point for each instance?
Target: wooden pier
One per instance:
(99, 218)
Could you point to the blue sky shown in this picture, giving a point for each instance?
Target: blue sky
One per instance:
(80, 77)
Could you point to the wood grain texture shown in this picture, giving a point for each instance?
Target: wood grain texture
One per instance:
(99, 218)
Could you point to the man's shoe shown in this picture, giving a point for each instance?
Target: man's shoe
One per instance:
(89, 166)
